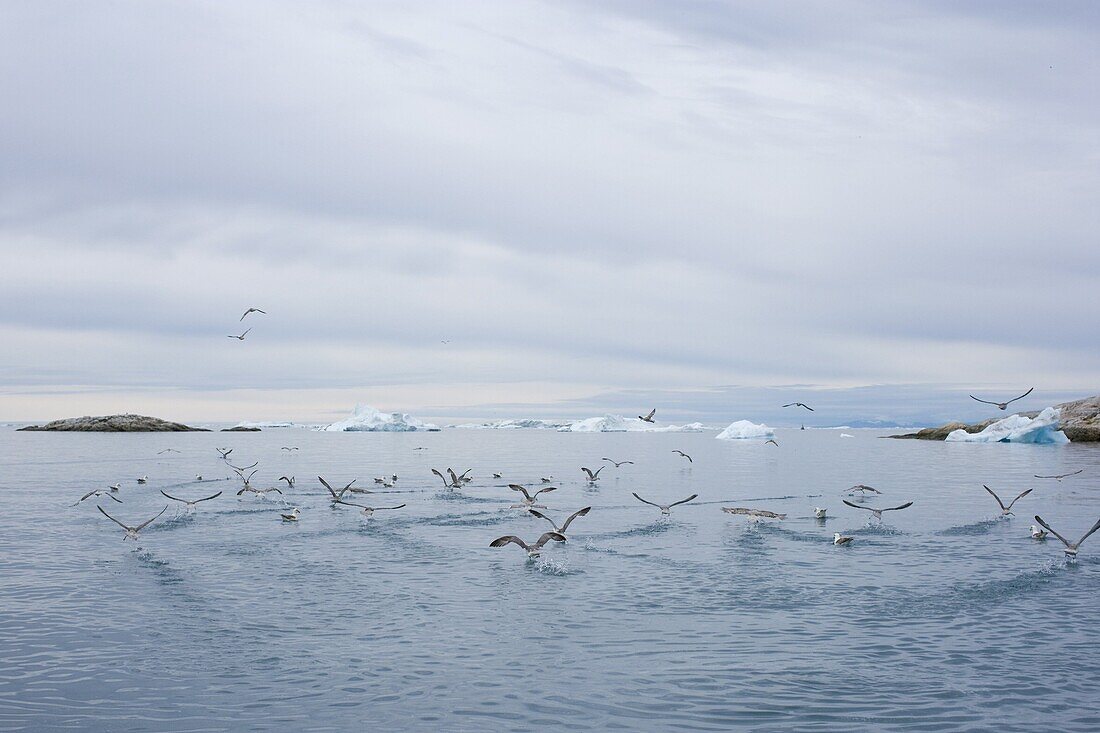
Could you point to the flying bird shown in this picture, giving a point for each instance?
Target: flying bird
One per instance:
(289, 481)
(532, 550)
(98, 493)
(167, 450)
(878, 512)
(864, 488)
(253, 310)
(665, 509)
(454, 483)
(799, 404)
(241, 337)
(1071, 547)
(772, 441)
(289, 448)
(368, 511)
(261, 493)
(132, 532)
(649, 417)
(1061, 476)
(753, 514)
(528, 497)
(338, 495)
(685, 455)
(244, 468)
(618, 463)
(1004, 405)
(247, 480)
(565, 525)
(839, 539)
(224, 452)
(593, 477)
(190, 504)
(1006, 510)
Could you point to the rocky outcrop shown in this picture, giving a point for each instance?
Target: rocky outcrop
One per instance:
(115, 424)
(1080, 422)
(240, 429)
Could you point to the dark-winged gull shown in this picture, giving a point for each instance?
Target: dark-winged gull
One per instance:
(1061, 476)
(799, 404)
(1003, 405)
(878, 512)
(1071, 547)
(241, 337)
(338, 495)
(863, 488)
(190, 503)
(565, 525)
(1006, 510)
(253, 310)
(532, 550)
(289, 481)
(649, 417)
(368, 511)
(98, 493)
(684, 455)
(618, 463)
(132, 532)
(593, 477)
(528, 497)
(665, 508)
(839, 539)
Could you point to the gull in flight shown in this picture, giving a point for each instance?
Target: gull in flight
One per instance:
(593, 477)
(649, 417)
(799, 404)
(1061, 476)
(532, 550)
(684, 455)
(338, 495)
(247, 480)
(99, 492)
(665, 509)
(863, 488)
(1004, 405)
(1006, 510)
(190, 504)
(241, 337)
(293, 516)
(289, 481)
(1071, 547)
(878, 512)
(565, 525)
(253, 310)
(456, 481)
(132, 532)
(368, 511)
(1038, 534)
(839, 539)
(528, 497)
(262, 493)
(618, 463)
(294, 447)
(772, 441)
(167, 450)
(754, 515)
(819, 512)
(224, 452)
(243, 468)
(143, 480)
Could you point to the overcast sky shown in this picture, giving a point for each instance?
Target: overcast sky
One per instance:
(599, 204)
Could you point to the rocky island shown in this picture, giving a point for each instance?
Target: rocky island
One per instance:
(115, 424)
(1080, 421)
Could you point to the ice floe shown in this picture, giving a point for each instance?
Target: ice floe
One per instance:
(523, 424)
(744, 429)
(620, 424)
(366, 419)
(1044, 428)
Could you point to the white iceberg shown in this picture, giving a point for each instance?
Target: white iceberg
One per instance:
(1044, 428)
(525, 424)
(366, 419)
(744, 429)
(847, 435)
(620, 424)
(248, 424)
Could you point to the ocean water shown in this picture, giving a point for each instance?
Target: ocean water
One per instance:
(943, 617)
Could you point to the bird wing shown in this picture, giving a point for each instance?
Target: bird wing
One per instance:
(645, 501)
(437, 473)
(246, 488)
(683, 501)
(325, 484)
(1003, 507)
(97, 506)
(574, 515)
(245, 332)
(769, 440)
(208, 498)
(352, 503)
(1021, 496)
(147, 522)
(1038, 519)
(1086, 535)
(546, 537)
(984, 401)
(90, 493)
(173, 498)
(590, 474)
(597, 474)
(857, 506)
(276, 490)
(651, 414)
(906, 505)
(454, 477)
(348, 485)
(245, 314)
(284, 478)
(540, 491)
(463, 474)
(790, 404)
(1025, 394)
(548, 519)
(806, 406)
(399, 506)
(502, 541)
(517, 487)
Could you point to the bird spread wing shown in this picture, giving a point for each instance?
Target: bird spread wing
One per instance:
(540, 491)
(589, 472)
(1025, 394)
(856, 506)
(351, 503)
(441, 476)
(521, 489)
(683, 501)
(644, 501)
(208, 498)
(574, 515)
(555, 536)
(325, 484)
(906, 505)
(548, 519)
(1021, 496)
(173, 498)
(1086, 535)
(994, 495)
(399, 506)
(454, 477)
(1038, 519)
(502, 541)
(147, 522)
(987, 402)
(128, 529)
(651, 414)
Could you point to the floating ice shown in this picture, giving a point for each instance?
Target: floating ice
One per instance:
(366, 419)
(528, 424)
(269, 425)
(620, 424)
(743, 429)
(846, 435)
(1017, 429)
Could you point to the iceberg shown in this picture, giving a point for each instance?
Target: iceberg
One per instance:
(268, 425)
(743, 430)
(620, 424)
(1043, 428)
(527, 424)
(366, 419)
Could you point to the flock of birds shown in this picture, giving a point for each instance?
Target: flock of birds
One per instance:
(453, 481)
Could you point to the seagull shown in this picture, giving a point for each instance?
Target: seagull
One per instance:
(224, 452)
(167, 450)
(289, 481)
(115, 487)
(753, 514)
(293, 516)
(529, 498)
(878, 512)
(290, 448)
(532, 550)
(1071, 547)
(839, 539)
(497, 475)
(685, 455)
(547, 479)
(241, 337)
(665, 509)
(243, 468)
(337, 495)
(565, 525)
(618, 463)
(649, 417)
(1061, 476)
(799, 404)
(1038, 534)
(199, 477)
(1004, 405)
(819, 512)
(253, 310)
(772, 441)
(132, 532)
(259, 492)
(593, 477)
(143, 480)
(864, 488)
(454, 482)
(190, 504)
(368, 511)
(393, 478)
(1005, 510)
(247, 481)
(99, 492)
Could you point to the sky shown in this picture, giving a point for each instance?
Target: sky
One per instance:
(510, 209)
